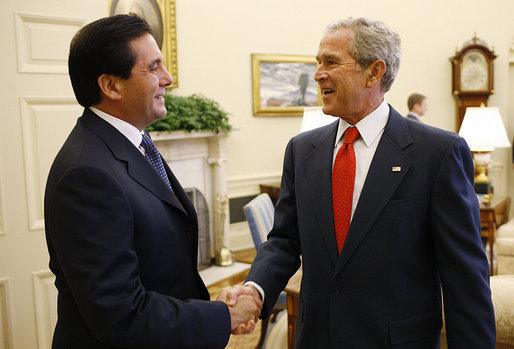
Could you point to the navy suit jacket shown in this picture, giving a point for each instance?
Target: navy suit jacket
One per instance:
(123, 249)
(413, 116)
(415, 233)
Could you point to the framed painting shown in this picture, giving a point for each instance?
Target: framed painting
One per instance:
(160, 15)
(283, 84)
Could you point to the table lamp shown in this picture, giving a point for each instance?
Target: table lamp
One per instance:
(313, 117)
(483, 130)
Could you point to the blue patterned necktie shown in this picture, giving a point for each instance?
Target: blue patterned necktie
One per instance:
(153, 156)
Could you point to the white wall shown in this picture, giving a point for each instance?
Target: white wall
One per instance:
(216, 39)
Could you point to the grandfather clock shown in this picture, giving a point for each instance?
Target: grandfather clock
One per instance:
(472, 76)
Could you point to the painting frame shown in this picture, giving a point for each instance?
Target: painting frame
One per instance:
(168, 48)
(297, 62)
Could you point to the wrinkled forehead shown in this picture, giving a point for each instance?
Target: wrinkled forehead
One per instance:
(336, 43)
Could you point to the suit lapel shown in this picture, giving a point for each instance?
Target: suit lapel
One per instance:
(137, 166)
(381, 183)
(180, 193)
(318, 169)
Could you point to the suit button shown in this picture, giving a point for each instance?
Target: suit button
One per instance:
(336, 291)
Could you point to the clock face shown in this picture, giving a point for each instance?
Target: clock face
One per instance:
(474, 74)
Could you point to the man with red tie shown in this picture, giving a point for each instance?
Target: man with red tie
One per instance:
(382, 211)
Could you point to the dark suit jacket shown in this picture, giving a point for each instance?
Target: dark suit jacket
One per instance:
(413, 231)
(412, 116)
(123, 249)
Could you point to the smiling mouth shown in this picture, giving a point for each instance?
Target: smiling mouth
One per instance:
(159, 97)
(327, 91)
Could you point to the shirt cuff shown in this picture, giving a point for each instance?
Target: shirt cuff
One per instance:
(261, 291)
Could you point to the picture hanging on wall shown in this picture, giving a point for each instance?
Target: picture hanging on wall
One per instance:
(160, 15)
(283, 84)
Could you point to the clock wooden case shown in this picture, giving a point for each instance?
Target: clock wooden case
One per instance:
(472, 76)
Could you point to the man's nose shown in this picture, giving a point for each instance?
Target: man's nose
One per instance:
(166, 79)
(320, 73)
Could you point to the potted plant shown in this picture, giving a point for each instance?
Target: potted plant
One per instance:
(193, 113)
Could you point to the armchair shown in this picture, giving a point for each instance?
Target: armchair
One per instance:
(259, 214)
(504, 246)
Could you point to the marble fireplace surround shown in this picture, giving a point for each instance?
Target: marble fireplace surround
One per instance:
(198, 160)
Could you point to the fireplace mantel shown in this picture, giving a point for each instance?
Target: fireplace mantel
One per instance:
(164, 136)
(198, 160)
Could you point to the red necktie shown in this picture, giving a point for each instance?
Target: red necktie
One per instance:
(343, 179)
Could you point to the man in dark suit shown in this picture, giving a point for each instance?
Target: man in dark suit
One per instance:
(122, 236)
(413, 240)
(417, 104)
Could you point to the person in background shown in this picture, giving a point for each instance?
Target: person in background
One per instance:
(381, 213)
(417, 105)
(121, 232)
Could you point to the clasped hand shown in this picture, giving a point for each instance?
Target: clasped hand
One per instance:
(244, 304)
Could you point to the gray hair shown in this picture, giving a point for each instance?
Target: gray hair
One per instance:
(373, 40)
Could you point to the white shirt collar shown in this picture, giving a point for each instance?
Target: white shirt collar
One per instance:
(126, 129)
(369, 127)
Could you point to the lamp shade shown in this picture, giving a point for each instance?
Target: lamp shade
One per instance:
(483, 129)
(313, 117)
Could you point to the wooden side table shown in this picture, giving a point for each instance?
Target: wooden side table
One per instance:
(273, 190)
(492, 215)
(293, 292)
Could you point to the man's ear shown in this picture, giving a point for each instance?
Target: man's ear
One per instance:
(110, 86)
(375, 72)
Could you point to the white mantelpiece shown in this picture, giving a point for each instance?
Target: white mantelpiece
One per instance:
(199, 160)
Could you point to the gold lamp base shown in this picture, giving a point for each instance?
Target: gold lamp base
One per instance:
(223, 257)
(482, 184)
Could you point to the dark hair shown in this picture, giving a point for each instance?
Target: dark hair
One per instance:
(414, 98)
(103, 47)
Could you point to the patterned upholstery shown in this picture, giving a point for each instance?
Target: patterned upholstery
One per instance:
(259, 213)
(504, 247)
(502, 291)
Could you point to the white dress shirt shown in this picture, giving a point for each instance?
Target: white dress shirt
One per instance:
(130, 131)
(370, 129)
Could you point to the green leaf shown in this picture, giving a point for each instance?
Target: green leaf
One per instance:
(193, 113)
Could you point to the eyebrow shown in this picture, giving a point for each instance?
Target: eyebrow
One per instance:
(328, 56)
(155, 61)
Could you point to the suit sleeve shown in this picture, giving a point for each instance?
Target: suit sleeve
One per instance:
(90, 222)
(463, 266)
(279, 257)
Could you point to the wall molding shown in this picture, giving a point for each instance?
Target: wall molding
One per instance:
(2, 215)
(511, 51)
(42, 42)
(45, 302)
(6, 335)
(249, 185)
(240, 236)
(41, 145)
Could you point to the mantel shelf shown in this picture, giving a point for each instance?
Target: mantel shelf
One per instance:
(175, 135)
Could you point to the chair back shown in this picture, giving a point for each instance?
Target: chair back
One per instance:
(502, 289)
(259, 214)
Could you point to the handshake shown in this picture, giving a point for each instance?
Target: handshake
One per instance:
(244, 304)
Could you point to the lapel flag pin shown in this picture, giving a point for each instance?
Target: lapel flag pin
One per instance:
(397, 169)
